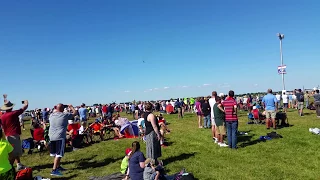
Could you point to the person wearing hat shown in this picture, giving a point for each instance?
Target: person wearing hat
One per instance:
(125, 162)
(12, 129)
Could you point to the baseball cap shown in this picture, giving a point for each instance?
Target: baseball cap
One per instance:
(128, 151)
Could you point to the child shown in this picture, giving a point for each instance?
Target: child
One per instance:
(153, 171)
(219, 120)
(6, 170)
(125, 162)
(83, 131)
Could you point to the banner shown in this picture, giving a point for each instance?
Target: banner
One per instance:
(282, 69)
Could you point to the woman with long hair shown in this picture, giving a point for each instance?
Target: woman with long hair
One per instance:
(199, 111)
(6, 158)
(152, 133)
(136, 162)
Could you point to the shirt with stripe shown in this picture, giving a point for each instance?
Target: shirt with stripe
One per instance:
(228, 105)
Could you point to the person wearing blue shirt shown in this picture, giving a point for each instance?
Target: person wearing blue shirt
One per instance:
(83, 112)
(271, 106)
(45, 115)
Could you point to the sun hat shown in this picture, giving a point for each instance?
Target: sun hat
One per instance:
(221, 95)
(128, 151)
(254, 107)
(70, 121)
(8, 105)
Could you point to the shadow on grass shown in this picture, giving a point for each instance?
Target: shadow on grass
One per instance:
(178, 158)
(96, 164)
(64, 178)
(46, 166)
(250, 143)
(242, 138)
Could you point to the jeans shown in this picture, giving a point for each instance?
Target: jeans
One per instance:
(317, 105)
(207, 121)
(232, 129)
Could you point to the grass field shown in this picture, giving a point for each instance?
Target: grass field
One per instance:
(295, 156)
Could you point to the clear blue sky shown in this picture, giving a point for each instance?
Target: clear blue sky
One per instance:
(93, 51)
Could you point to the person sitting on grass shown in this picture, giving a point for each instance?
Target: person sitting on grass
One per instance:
(97, 129)
(6, 158)
(125, 162)
(220, 121)
(84, 132)
(153, 171)
(38, 135)
(162, 123)
(73, 133)
(136, 163)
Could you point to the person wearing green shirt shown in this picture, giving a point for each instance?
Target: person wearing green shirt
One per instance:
(125, 162)
(6, 168)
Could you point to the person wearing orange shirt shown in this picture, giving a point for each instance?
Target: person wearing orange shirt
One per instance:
(97, 128)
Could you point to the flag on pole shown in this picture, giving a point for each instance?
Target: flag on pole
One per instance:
(282, 69)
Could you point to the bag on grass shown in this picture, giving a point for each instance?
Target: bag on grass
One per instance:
(24, 174)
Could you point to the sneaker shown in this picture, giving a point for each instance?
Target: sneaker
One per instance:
(216, 141)
(55, 173)
(61, 169)
(75, 149)
(20, 167)
(318, 116)
(223, 145)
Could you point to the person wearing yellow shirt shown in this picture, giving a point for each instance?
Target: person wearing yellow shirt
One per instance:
(6, 168)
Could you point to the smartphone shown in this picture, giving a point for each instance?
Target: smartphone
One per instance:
(22, 102)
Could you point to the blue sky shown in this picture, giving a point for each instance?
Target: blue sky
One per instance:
(93, 51)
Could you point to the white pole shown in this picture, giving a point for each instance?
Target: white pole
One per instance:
(281, 58)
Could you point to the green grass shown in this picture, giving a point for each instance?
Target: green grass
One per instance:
(295, 156)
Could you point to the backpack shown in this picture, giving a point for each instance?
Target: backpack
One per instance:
(300, 97)
(24, 174)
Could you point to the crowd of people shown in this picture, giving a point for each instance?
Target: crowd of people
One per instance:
(64, 124)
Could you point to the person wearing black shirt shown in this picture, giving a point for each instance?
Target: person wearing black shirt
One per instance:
(206, 110)
(317, 102)
(300, 101)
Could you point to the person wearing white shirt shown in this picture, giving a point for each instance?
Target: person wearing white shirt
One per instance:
(278, 97)
(285, 101)
(212, 101)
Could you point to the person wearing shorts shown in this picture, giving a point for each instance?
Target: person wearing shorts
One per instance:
(57, 133)
(271, 105)
(12, 129)
(219, 119)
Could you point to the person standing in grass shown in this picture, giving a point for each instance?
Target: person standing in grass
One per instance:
(212, 101)
(231, 118)
(57, 133)
(300, 102)
(12, 130)
(271, 105)
(317, 102)
(152, 134)
(206, 113)
(199, 111)
(285, 100)
(220, 121)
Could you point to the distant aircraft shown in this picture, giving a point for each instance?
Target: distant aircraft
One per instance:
(143, 61)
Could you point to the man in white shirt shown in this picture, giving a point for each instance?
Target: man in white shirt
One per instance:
(212, 101)
(278, 96)
(285, 101)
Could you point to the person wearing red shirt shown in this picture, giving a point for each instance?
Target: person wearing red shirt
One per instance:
(11, 128)
(231, 118)
(38, 133)
(104, 111)
(97, 128)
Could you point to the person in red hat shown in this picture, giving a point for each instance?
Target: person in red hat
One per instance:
(125, 162)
